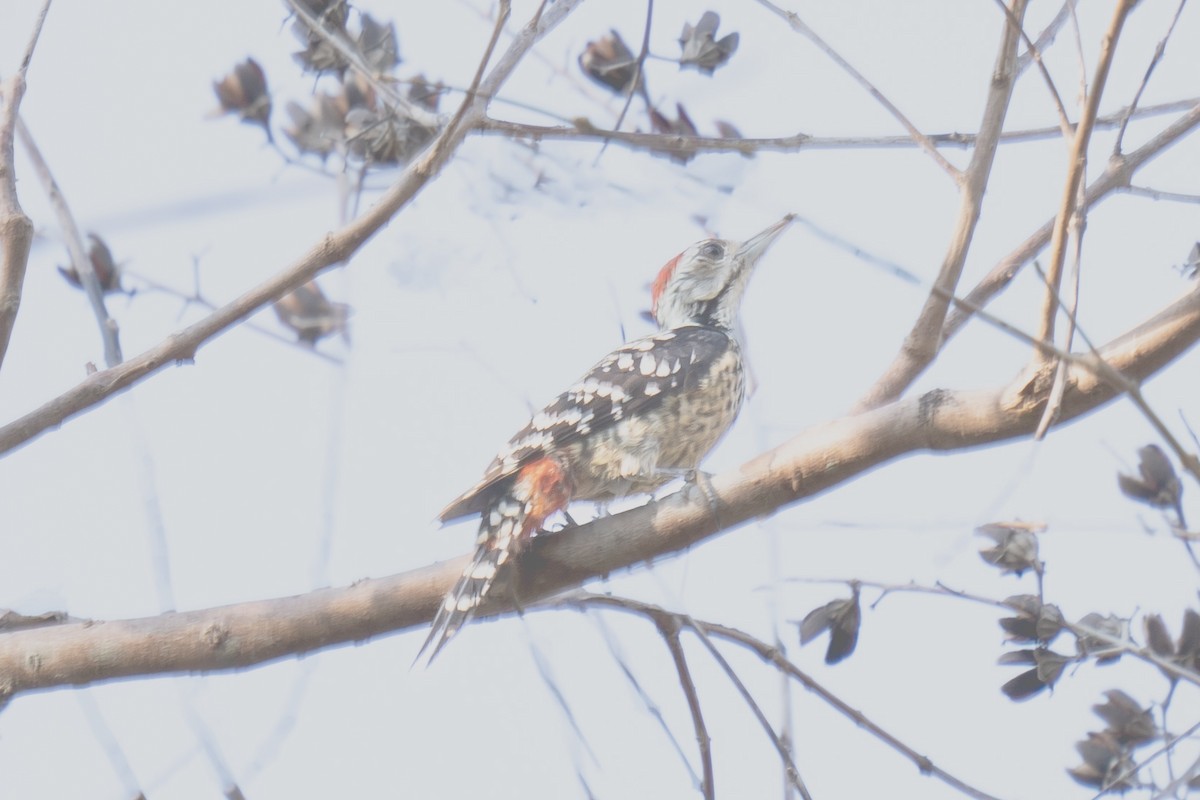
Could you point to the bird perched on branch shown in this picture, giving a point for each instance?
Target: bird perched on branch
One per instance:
(648, 412)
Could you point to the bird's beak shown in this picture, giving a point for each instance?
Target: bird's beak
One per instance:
(756, 245)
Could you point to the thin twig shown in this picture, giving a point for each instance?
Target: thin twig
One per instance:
(772, 655)
(1165, 749)
(1044, 40)
(1071, 307)
(195, 298)
(1075, 169)
(1159, 194)
(1159, 50)
(1096, 363)
(921, 139)
(639, 70)
(1143, 653)
(924, 339)
(16, 229)
(335, 247)
(473, 88)
(1115, 177)
(560, 698)
(789, 765)
(648, 703)
(670, 634)
(583, 130)
(106, 738)
(885, 589)
(1033, 52)
(80, 261)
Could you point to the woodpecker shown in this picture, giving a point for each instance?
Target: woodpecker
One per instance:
(648, 412)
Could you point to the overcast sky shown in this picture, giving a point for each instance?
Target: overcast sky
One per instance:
(273, 470)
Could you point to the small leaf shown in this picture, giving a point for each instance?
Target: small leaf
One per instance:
(842, 618)
(701, 49)
(1158, 637)
(319, 54)
(1188, 648)
(1128, 722)
(377, 44)
(1157, 485)
(1016, 547)
(1104, 762)
(1047, 669)
(1036, 622)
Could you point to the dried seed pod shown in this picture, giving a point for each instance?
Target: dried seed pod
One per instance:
(701, 49)
(244, 92)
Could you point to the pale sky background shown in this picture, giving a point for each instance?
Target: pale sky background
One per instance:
(276, 471)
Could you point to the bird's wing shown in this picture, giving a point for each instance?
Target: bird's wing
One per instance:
(627, 382)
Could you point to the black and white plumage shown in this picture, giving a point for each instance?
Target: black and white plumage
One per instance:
(647, 412)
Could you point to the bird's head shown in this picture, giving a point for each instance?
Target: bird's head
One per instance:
(704, 284)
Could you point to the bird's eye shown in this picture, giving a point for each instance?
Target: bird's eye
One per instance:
(712, 250)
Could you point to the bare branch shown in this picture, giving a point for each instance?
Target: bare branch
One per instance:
(1033, 53)
(670, 633)
(1115, 177)
(639, 69)
(1045, 38)
(1159, 50)
(80, 261)
(789, 766)
(812, 462)
(16, 229)
(921, 139)
(775, 657)
(1075, 168)
(925, 339)
(336, 247)
(1159, 194)
(583, 130)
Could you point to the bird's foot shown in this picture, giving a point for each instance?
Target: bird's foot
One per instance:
(702, 481)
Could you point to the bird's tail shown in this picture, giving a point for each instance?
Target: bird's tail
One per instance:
(508, 522)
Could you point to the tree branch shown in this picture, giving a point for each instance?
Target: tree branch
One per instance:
(923, 141)
(708, 631)
(1115, 177)
(337, 246)
(818, 459)
(583, 131)
(16, 229)
(1076, 161)
(925, 339)
(80, 260)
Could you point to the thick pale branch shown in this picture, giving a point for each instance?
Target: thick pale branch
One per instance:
(1116, 176)
(925, 339)
(16, 229)
(817, 460)
(1076, 162)
(336, 247)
